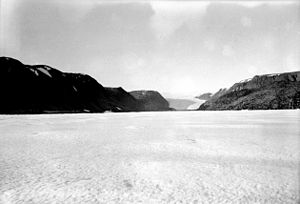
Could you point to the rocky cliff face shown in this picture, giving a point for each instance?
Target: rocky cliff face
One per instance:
(43, 89)
(219, 93)
(124, 100)
(151, 100)
(270, 91)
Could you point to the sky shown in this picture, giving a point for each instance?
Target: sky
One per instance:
(179, 48)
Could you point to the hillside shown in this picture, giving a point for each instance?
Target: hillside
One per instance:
(270, 91)
(43, 89)
(151, 100)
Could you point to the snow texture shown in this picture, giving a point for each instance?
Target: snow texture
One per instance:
(197, 104)
(34, 71)
(45, 71)
(151, 157)
(74, 88)
(246, 80)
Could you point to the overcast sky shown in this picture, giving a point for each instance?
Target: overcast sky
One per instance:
(175, 47)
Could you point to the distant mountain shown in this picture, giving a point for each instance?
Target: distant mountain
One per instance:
(151, 100)
(179, 104)
(124, 99)
(205, 96)
(43, 89)
(270, 91)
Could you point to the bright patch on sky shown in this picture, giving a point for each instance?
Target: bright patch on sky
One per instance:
(292, 62)
(269, 43)
(170, 15)
(227, 51)
(252, 70)
(183, 85)
(133, 62)
(253, 4)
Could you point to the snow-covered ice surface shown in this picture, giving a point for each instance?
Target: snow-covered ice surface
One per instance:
(197, 104)
(153, 157)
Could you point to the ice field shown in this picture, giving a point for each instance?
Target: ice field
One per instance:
(151, 157)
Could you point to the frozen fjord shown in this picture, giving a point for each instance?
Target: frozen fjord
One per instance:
(151, 157)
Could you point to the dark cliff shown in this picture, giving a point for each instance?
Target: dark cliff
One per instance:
(124, 100)
(151, 100)
(270, 91)
(42, 89)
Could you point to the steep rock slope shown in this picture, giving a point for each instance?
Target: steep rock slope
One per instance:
(43, 89)
(124, 100)
(270, 91)
(219, 93)
(151, 100)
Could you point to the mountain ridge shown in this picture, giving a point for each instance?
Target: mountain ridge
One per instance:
(151, 100)
(42, 89)
(268, 91)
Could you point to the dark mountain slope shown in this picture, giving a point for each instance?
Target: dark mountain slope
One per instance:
(124, 100)
(40, 89)
(151, 100)
(270, 91)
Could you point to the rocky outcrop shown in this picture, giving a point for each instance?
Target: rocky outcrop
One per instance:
(151, 100)
(43, 89)
(270, 91)
(205, 96)
(219, 93)
(124, 100)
